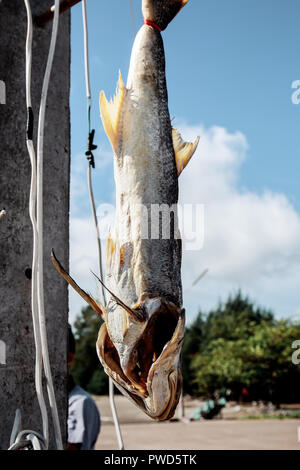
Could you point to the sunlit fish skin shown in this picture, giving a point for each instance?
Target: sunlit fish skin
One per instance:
(140, 342)
(145, 273)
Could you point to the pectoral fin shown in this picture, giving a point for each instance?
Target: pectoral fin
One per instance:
(136, 314)
(88, 298)
(111, 112)
(183, 150)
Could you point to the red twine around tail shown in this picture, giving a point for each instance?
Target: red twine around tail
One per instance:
(150, 23)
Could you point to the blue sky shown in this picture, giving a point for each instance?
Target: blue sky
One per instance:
(230, 66)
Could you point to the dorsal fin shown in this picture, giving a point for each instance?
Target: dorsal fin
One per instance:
(183, 150)
(111, 111)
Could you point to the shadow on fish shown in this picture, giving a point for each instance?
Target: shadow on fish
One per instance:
(140, 342)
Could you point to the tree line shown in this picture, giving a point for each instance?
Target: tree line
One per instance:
(238, 350)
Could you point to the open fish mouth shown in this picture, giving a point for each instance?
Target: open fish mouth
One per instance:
(152, 378)
(164, 413)
(167, 411)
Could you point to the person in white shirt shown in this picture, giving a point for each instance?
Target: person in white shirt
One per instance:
(84, 422)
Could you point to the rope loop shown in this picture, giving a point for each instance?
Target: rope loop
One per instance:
(154, 25)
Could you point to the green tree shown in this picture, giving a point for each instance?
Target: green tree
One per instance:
(192, 344)
(232, 320)
(239, 345)
(275, 376)
(235, 319)
(86, 368)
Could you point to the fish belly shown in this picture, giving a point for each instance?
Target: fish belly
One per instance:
(147, 258)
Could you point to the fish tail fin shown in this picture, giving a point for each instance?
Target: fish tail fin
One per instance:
(161, 12)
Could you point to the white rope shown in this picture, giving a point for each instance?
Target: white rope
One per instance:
(114, 413)
(132, 17)
(34, 436)
(34, 441)
(28, 439)
(37, 294)
(91, 193)
(32, 211)
(86, 50)
(31, 439)
(40, 154)
(16, 427)
(88, 93)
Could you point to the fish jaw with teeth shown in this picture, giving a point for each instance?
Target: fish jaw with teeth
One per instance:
(142, 357)
(147, 369)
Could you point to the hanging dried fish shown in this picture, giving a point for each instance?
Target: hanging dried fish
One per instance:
(140, 342)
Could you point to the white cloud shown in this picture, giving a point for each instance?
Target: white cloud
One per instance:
(83, 260)
(251, 241)
(83, 245)
(79, 194)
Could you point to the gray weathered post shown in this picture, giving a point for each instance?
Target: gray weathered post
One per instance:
(17, 389)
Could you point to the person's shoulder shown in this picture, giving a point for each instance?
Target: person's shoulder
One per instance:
(78, 391)
(77, 394)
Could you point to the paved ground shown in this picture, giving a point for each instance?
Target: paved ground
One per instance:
(141, 433)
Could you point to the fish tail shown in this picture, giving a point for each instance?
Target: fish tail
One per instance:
(161, 12)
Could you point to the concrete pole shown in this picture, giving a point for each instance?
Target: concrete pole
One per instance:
(17, 351)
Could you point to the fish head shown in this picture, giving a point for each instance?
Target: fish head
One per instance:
(149, 373)
(139, 348)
